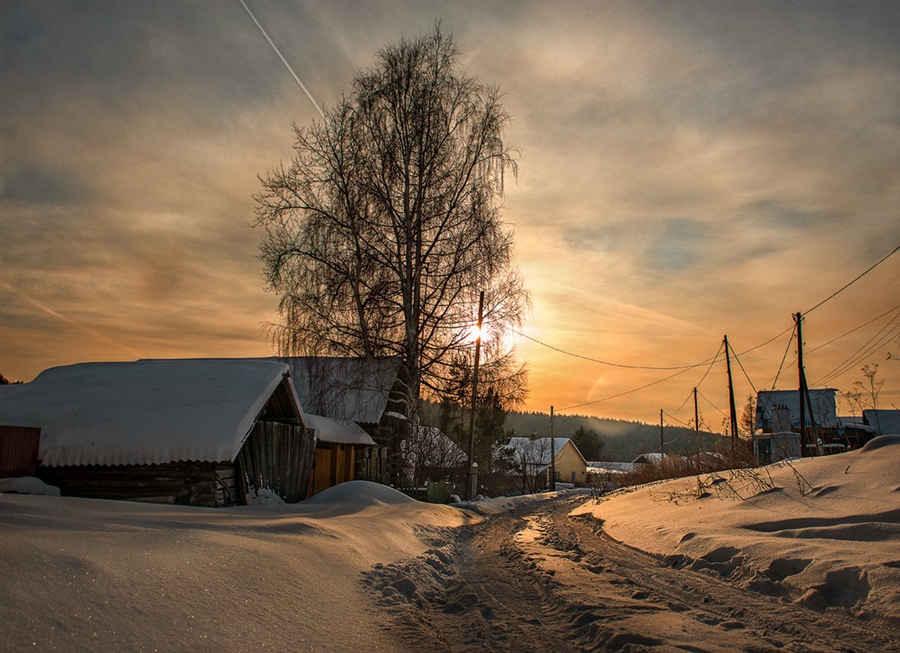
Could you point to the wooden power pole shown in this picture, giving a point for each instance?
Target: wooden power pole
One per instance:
(552, 455)
(471, 477)
(697, 428)
(733, 411)
(801, 384)
(662, 438)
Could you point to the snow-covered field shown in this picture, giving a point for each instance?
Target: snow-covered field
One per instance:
(89, 575)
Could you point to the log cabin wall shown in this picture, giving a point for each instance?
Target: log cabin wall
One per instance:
(19, 451)
(181, 483)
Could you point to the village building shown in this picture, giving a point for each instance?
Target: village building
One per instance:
(532, 457)
(778, 411)
(365, 392)
(337, 444)
(201, 432)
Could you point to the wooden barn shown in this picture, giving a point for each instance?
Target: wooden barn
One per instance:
(364, 391)
(192, 432)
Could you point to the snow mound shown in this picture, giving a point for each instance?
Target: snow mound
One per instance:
(881, 441)
(359, 495)
(27, 485)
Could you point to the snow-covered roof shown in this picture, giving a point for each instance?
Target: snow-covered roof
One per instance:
(537, 451)
(609, 466)
(338, 431)
(645, 458)
(855, 423)
(433, 449)
(149, 411)
(353, 389)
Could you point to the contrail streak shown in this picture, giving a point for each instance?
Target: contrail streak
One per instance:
(284, 61)
(68, 320)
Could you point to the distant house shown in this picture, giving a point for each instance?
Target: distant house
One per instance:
(532, 456)
(193, 432)
(823, 403)
(433, 456)
(855, 432)
(649, 458)
(778, 411)
(363, 391)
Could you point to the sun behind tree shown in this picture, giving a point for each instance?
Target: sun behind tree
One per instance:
(386, 226)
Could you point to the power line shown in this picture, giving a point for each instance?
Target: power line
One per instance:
(783, 358)
(711, 362)
(809, 351)
(602, 362)
(622, 394)
(711, 403)
(880, 339)
(836, 293)
(741, 365)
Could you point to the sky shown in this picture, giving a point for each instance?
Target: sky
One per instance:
(687, 171)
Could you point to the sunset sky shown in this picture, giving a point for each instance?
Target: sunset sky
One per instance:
(687, 171)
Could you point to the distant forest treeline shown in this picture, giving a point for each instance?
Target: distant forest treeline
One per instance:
(622, 440)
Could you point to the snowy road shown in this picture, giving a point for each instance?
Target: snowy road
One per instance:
(537, 579)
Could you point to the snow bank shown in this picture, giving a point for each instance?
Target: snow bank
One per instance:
(824, 532)
(27, 485)
(94, 575)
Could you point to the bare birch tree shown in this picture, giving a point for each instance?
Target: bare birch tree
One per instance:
(386, 225)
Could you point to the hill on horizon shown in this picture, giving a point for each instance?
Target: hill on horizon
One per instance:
(623, 440)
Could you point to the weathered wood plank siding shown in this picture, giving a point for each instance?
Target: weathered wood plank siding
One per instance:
(278, 457)
(19, 447)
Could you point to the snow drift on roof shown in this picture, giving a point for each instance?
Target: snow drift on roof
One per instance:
(354, 389)
(338, 431)
(144, 412)
(537, 451)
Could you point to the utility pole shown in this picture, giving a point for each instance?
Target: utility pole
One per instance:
(697, 427)
(734, 432)
(805, 400)
(471, 481)
(552, 455)
(801, 384)
(662, 439)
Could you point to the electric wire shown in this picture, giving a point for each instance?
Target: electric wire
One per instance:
(783, 358)
(712, 404)
(880, 339)
(741, 365)
(711, 362)
(863, 351)
(814, 349)
(838, 292)
(708, 369)
(610, 364)
(627, 392)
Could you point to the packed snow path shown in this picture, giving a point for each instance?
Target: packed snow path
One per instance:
(537, 578)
